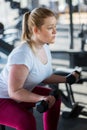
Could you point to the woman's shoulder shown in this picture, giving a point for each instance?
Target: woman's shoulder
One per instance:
(21, 50)
(24, 47)
(21, 55)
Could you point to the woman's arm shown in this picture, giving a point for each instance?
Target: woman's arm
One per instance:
(72, 78)
(16, 79)
(55, 79)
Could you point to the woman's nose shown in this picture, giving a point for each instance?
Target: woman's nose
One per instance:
(54, 30)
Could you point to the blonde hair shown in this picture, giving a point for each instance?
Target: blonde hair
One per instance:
(34, 18)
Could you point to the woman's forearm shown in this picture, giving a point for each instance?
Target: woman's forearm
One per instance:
(55, 79)
(25, 96)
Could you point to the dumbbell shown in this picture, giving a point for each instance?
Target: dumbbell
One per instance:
(71, 79)
(42, 106)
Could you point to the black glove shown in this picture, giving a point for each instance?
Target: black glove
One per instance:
(71, 79)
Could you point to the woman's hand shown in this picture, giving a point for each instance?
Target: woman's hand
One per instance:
(50, 99)
(76, 74)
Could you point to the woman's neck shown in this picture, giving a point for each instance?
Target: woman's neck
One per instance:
(38, 45)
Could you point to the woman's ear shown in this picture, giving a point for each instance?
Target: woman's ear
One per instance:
(35, 29)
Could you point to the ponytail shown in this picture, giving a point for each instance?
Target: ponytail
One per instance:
(25, 28)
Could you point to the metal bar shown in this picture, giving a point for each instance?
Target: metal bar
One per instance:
(71, 24)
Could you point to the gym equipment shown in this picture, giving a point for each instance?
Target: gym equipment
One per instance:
(15, 5)
(8, 0)
(9, 35)
(23, 10)
(68, 99)
(2, 127)
(1, 28)
(5, 47)
(83, 36)
(70, 78)
(42, 106)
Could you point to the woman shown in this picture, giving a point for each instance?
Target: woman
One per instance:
(28, 65)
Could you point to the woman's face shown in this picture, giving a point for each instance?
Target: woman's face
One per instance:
(47, 32)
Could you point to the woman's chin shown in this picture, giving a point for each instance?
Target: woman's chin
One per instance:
(52, 42)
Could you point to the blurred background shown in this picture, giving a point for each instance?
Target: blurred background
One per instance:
(71, 23)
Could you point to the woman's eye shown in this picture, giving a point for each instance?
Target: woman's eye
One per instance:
(50, 28)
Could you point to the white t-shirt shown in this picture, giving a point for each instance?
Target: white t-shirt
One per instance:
(37, 70)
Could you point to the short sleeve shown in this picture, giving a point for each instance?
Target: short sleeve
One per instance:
(21, 58)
